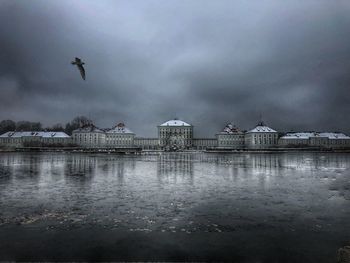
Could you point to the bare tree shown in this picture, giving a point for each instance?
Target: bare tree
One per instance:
(57, 128)
(7, 125)
(28, 126)
(76, 123)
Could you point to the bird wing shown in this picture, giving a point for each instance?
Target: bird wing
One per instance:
(82, 71)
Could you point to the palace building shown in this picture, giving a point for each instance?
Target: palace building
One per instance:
(119, 137)
(147, 143)
(89, 136)
(261, 137)
(176, 135)
(16, 139)
(332, 140)
(230, 138)
(204, 143)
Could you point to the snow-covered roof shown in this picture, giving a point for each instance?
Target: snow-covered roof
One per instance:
(43, 134)
(230, 128)
(334, 135)
(261, 128)
(119, 128)
(298, 135)
(175, 123)
(88, 128)
(307, 135)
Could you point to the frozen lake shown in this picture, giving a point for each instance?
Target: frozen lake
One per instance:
(285, 207)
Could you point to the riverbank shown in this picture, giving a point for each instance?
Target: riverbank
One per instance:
(279, 150)
(131, 150)
(139, 150)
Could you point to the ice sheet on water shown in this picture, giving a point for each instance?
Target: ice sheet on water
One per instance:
(176, 193)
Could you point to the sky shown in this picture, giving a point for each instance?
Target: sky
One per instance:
(205, 62)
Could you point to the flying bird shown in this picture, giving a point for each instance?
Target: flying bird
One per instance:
(79, 64)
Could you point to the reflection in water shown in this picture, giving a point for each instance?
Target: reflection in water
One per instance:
(266, 199)
(76, 165)
(163, 191)
(24, 165)
(172, 165)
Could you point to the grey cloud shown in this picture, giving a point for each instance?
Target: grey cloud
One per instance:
(204, 61)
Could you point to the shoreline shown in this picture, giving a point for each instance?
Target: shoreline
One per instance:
(141, 151)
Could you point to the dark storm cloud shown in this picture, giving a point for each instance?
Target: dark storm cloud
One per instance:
(206, 62)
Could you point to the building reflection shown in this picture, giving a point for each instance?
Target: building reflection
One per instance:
(118, 169)
(21, 165)
(174, 166)
(314, 160)
(170, 166)
(263, 161)
(79, 170)
(80, 165)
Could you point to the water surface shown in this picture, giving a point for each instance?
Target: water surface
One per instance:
(285, 207)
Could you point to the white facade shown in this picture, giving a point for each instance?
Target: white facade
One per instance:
(175, 134)
(147, 143)
(119, 137)
(92, 137)
(261, 137)
(89, 136)
(204, 143)
(315, 139)
(230, 138)
(34, 138)
(295, 139)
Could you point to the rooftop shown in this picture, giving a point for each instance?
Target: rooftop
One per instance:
(298, 135)
(119, 128)
(307, 135)
(334, 135)
(262, 128)
(230, 128)
(88, 128)
(44, 134)
(175, 122)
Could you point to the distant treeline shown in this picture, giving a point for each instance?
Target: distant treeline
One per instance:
(10, 125)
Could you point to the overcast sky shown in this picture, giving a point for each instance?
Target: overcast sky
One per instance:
(205, 62)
